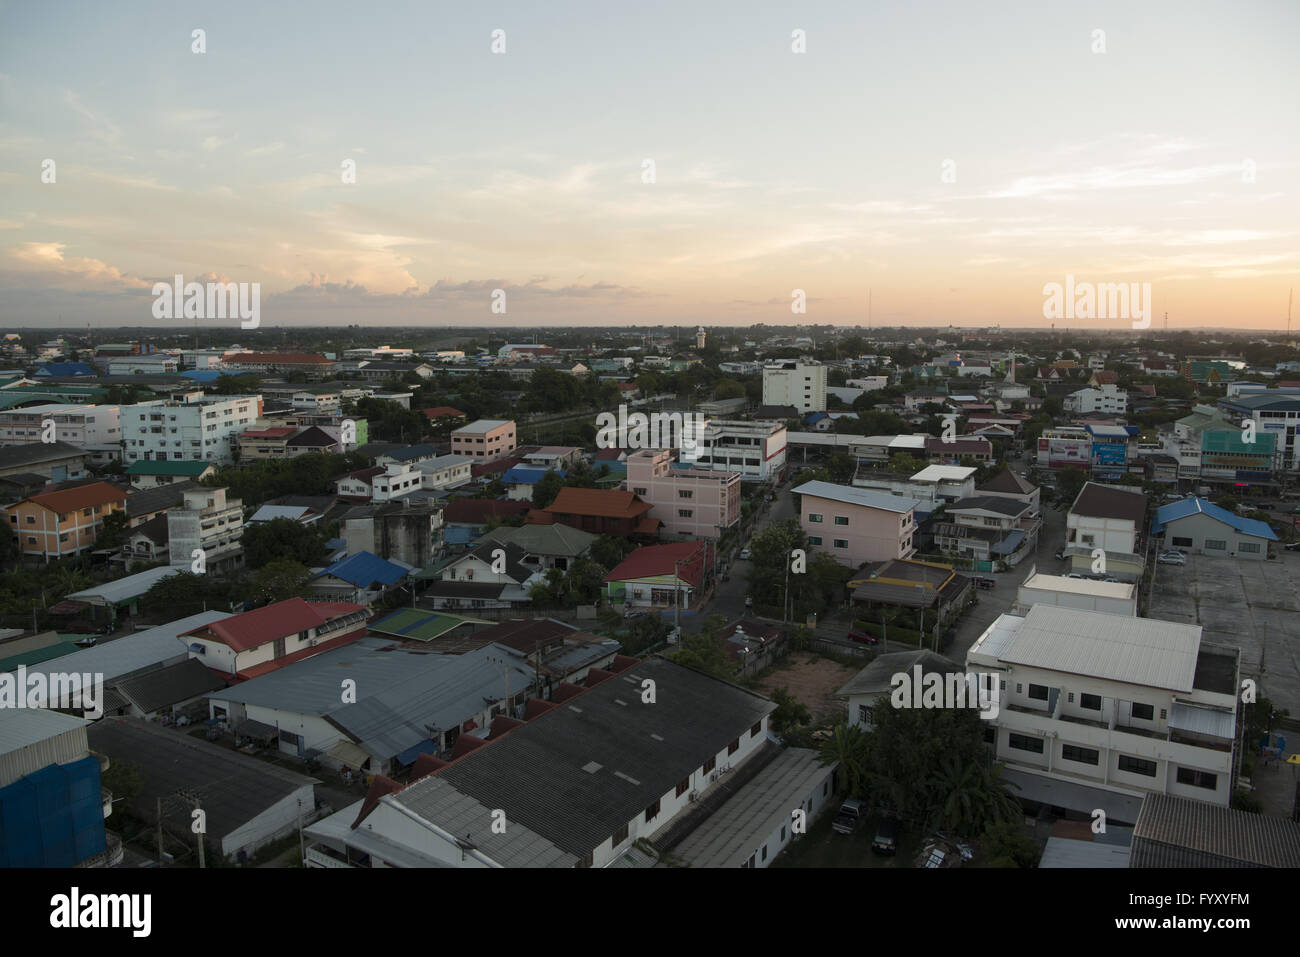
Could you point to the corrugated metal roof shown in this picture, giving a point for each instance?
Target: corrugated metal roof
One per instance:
(125, 589)
(131, 653)
(1142, 651)
(857, 496)
(1175, 511)
(1178, 832)
(1186, 717)
(23, 727)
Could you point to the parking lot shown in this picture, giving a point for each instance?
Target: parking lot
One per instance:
(1251, 605)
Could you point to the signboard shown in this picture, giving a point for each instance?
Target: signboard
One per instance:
(1109, 453)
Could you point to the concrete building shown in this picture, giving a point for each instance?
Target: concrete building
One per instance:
(988, 528)
(485, 440)
(95, 428)
(691, 502)
(55, 462)
(155, 364)
(1106, 400)
(209, 524)
(658, 576)
(1093, 704)
(445, 471)
(395, 531)
(54, 525)
(797, 383)
(856, 526)
(757, 450)
(1198, 525)
(1111, 518)
(191, 428)
(1111, 598)
(931, 487)
(277, 363)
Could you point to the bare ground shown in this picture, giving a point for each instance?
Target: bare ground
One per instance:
(813, 680)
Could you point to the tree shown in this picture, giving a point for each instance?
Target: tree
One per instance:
(112, 531)
(1070, 482)
(790, 714)
(279, 538)
(706, 650)
(546, 489)
(278, 581)
(848, 747)
(608, 551)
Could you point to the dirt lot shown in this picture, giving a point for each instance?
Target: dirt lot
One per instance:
(813, 680)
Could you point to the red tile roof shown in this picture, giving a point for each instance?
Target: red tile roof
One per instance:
(443, 412)
(83, 496)
(255, 628)
(476, 511)
(601, 503)
(653, 560)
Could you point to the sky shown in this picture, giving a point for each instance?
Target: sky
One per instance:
(926, 163)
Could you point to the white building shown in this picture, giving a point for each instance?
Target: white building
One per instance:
(156, 363)
(757, 450)
(210, 522)
(1107, 400)
(797, 383)
(445, 471)
(1092, 703)
(95, 428)
(931, 487)
(1085, 594)
(192, 427)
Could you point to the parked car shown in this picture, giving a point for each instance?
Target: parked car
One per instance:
(1074, 575)
(986, 583)
(1060, 554)
(849, 818)
(1171, 558)
(886, 840)
(1292, 546)
(744, 554)
(749, 601)
(863, 637)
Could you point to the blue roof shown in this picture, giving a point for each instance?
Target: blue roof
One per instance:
(66, 369)
(202, 375)
(815, 418)
(1010, 543)
(364, 568)
(1191, 506)
(459, 534)
(525, 475)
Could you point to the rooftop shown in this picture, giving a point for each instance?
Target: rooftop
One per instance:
(1105, 501)
(857, 496)
(1178, 832)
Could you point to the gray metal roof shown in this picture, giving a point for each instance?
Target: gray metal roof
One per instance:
(131, 653)
(1179, 832)
(1063, 852)
(877, 677)
(1140, 651)
(23, 727)
(169, 686)
(636, 752)
(399, 690)
(232, 788)
(857, 496)
(159, 497)
(734, 831)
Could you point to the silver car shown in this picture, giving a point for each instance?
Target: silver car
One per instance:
(1171, 558)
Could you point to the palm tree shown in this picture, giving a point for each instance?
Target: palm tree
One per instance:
(970, 796)
(847, 747)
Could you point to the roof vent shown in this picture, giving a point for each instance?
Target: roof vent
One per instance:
(591, 767)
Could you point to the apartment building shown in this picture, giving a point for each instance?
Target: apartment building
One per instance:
(484, 440)
(797, 383)
(691, 502)
(194, 427)
(1106, 400)
(988, 528)
(95, 428)
(1094, 704)
(209, 523)
(277, 363)
(856, 526)
(62, 523)
(155, 364)
(1275, 412)
(1110, 518)
(933, 486)
(757, 450)
(446, 471)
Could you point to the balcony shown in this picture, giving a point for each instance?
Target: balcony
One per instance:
(106, 798)
(322, 855)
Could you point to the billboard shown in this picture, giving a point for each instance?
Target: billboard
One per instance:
(1109, 453)
(1061, 453)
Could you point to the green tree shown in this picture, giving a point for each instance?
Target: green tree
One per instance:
(112, 531)
(278, 581)
(546, 489)
(1069, 483)
(266, 542)
(848, 746)
(706, 650)
(790, 714)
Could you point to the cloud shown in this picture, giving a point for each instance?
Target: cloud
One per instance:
(48, 261)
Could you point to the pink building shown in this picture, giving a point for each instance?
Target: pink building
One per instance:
(485, 440)
(692, 503)
(856, 526)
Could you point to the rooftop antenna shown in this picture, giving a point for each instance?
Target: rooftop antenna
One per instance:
(1289, 297)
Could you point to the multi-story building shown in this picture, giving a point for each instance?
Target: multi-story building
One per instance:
(988, 528)
(485, 440)
(1093, 704)
(691, 502)
(797, 383)
(95, 428)
(931, 487)
(1107, 400)
(856, 526)
(194, 427)
(757, 450)
(156, 364)
(210, 523)
(277, 363)
(1065, 447)
(1110, 518)
(1275, 412)
(65, 522)
(446, 471)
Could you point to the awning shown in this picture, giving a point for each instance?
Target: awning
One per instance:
(257, 731)
(410, 754)
(68, 607)
(349, 753)
(1009, 544)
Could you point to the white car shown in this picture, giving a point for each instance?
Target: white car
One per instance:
(744, 554)
(1171, 558)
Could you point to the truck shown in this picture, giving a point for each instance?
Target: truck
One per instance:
(849, 818)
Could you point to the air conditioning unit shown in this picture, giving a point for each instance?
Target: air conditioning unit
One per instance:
(713, 776)
(694, 796)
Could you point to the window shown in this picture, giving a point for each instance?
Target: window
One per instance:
(812, 539)
(841, 520)
(1143, 712)
(1137, 766)
(756, 730)
(990, 734)
(1038, 692)
(652, 812)
(1183, 542)
(288, 737)
(620, 835)
(685, 493)
(1024, 743)
(841, 543)
(1198, 779)
(683, 786)
(764, 852)
(734, 746)
(1250, 547)
(1215, 545)
(1080, 755)
(638, 491)
(709, 765)
(685, 512)
(814, 517)
(783, 833)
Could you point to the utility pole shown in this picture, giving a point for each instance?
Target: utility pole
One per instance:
(160, 837)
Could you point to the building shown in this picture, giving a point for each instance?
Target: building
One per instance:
(409, 702)
(933, 486)
(208, 525)
(856, 526)
(489, 575)
(266, 639)
(1111, 518)
(151, 473)
(757, 450)
(599, 511)
(1105, 400)
(691, 502)
(445, 471)
(191, 428)
(484, 440)
(574, 777)
(544, 546)
(1177, 832)
(257, 444)
(155, 364)
(988, 528)
(52, 804)
(1111, 598)
(1094, 704)
(1110, 447)
(957, 450)
(656, 576)
(277, 363)
(361, 578)
(95, 428)
(1007, 484)
(53, 462)
(404, 532)
(796, 383)
(1065, 447)
(1198, 525)
(53, 525)
(877, 681)
(932, 588)
(1275, 412)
